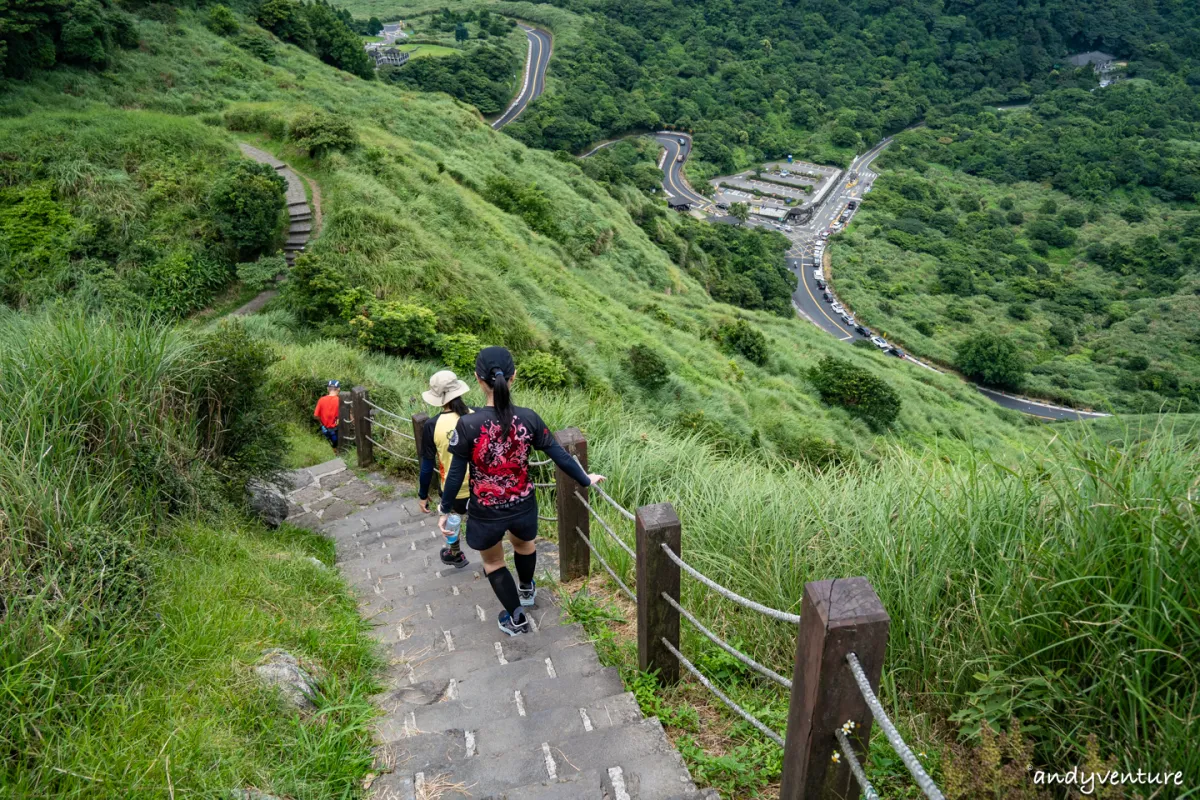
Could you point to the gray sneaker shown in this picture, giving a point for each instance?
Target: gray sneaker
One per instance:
(513, 627)
(528, 594)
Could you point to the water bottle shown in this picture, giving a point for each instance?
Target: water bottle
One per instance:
(453, 524)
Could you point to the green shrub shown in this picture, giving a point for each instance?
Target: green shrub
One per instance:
(314, 289)
(251, 119)
(261, 273)
(1137, 363)
(647, 367)
(958, 313)
(221, 20)
(992, 360)
(1048, 207)
(262, 48)
(543, 371)
(248, 203)
(526, 201)
(1015, 218)
(742, 338)
(320, 133)
(924, 327)
(181, 281)
(855, 389)
(458, 352)
(1073, 217)
(1019, 311)
(285, 19)
(398, 328)
(1062, 332)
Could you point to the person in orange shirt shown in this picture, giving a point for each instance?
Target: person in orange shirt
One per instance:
(327, 411)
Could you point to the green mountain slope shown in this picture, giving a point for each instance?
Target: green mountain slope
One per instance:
(412, 217)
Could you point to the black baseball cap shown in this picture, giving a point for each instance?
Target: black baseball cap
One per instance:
(493, 361)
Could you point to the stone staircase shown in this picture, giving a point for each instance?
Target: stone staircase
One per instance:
(300, 217)
(467, 710)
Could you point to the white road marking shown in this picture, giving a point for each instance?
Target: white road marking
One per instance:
(479, 611)
(400, 634)
(616, 776)
(500, 654)
(551, 768)
(455, 590)
(587, 721)
(452, 690)
(470, 737)
(429, 610)
(419, 784)
(550, 669)
(520, 703)
(449, 641)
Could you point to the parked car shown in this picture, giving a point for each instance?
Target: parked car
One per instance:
(849, 320)
(838, 308)
(817, 274)
(825, 234)
(862, 330)
(682, 140)
(723, 206)
(880, 343)
(680, 158)
(821, 285)
(897, 352)
(828, 297)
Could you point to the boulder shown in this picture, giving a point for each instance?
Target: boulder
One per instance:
(267, 502)
(281, 669)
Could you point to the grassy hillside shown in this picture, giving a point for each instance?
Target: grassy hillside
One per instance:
(135, 598)
(413, 215)
(1103, 308)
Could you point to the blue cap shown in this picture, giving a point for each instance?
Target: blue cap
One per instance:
(334, 385)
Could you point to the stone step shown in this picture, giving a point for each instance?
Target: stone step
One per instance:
(525, 760)
(297, 227)
(482, 705)
(296, 241)
(293, 248)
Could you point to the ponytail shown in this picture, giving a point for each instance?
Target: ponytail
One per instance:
(502, 400)
(457, 406)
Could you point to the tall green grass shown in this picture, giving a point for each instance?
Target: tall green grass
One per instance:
(134, 597)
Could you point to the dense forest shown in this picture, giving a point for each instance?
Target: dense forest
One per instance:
(761, 79)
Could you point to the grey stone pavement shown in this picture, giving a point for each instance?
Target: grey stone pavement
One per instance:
(468, 711)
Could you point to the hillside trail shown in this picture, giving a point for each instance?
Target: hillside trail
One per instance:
(304, 221)
(467, 710)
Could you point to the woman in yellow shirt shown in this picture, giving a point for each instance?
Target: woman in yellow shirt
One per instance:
(445, 391)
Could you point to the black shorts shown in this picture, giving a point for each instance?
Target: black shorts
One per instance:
(482, 534)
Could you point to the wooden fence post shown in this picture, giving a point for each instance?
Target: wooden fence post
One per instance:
(345, 414)
(656, 574)
(837, 617)
(362, 427)
(574, 557)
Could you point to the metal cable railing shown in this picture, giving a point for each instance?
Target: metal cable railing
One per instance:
(548, 519)
(612, 574)
(868, 791)
(543, 486)
(924, 782)
(604, 525)
(766, 672)
(541, 463)
(392, 452)
(741, 712)
(376, 423)
(782, 616)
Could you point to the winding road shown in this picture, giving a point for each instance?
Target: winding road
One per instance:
(533, 82)
(808, 301)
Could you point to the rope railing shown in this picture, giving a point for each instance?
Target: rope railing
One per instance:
(766, 672)
(782, 616)
(868, 791)
(628, 592)
(392, 452)
(606, 527)
(389, 413)
(377, 424)
(548, 519)
(543, 486)
(733, 706)
(924, 782)
(541, 463)
(624, 512)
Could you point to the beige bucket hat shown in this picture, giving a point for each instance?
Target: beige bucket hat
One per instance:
(444, 386)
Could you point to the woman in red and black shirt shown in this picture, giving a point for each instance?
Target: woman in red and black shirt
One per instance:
(496, 442)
